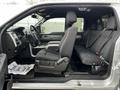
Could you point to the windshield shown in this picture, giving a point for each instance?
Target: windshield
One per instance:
(29, 20)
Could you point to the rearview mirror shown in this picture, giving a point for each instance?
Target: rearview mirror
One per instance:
(34, 16)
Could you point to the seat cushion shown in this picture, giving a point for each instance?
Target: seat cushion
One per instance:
(87, 57)
(47, 62)
(46, 58)
(47, 55)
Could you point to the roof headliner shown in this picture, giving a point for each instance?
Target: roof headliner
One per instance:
(92, 12)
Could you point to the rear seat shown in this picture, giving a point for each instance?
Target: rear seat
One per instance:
(96, 53)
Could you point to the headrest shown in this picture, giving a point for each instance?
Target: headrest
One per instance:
(111, 23)
(70, 18)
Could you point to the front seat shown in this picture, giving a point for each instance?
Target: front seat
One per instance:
(50, 61)
(69, 21)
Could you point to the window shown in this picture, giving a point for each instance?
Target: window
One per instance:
(80, 24)
(53, 25)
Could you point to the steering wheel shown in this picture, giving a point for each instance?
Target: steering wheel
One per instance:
(37, 32)
(33, 36)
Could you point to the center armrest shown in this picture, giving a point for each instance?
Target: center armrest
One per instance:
(53, 42)
(40, 47)
(52, 46)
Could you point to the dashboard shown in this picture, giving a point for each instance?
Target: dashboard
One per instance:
(14, 41)
(17, 42)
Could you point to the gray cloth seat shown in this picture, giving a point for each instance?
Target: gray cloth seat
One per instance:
(47, 55)
(70, 19)
(93, 54)
(87, 57)
(56, 62)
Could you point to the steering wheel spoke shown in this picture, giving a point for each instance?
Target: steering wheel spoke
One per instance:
(33, 37)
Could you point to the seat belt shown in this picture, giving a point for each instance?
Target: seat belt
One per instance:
(97, 37)
(98, 53)
(108, 38)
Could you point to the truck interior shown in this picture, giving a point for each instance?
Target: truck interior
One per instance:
(78, 43)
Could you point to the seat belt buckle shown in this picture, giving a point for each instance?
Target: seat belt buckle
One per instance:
(103, 59)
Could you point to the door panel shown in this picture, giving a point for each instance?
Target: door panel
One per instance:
(52, 29)
(3, 69)
(55, 36)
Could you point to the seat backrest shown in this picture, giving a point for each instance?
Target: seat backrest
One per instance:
(70, 19)
(67, 42)
(110, 28)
